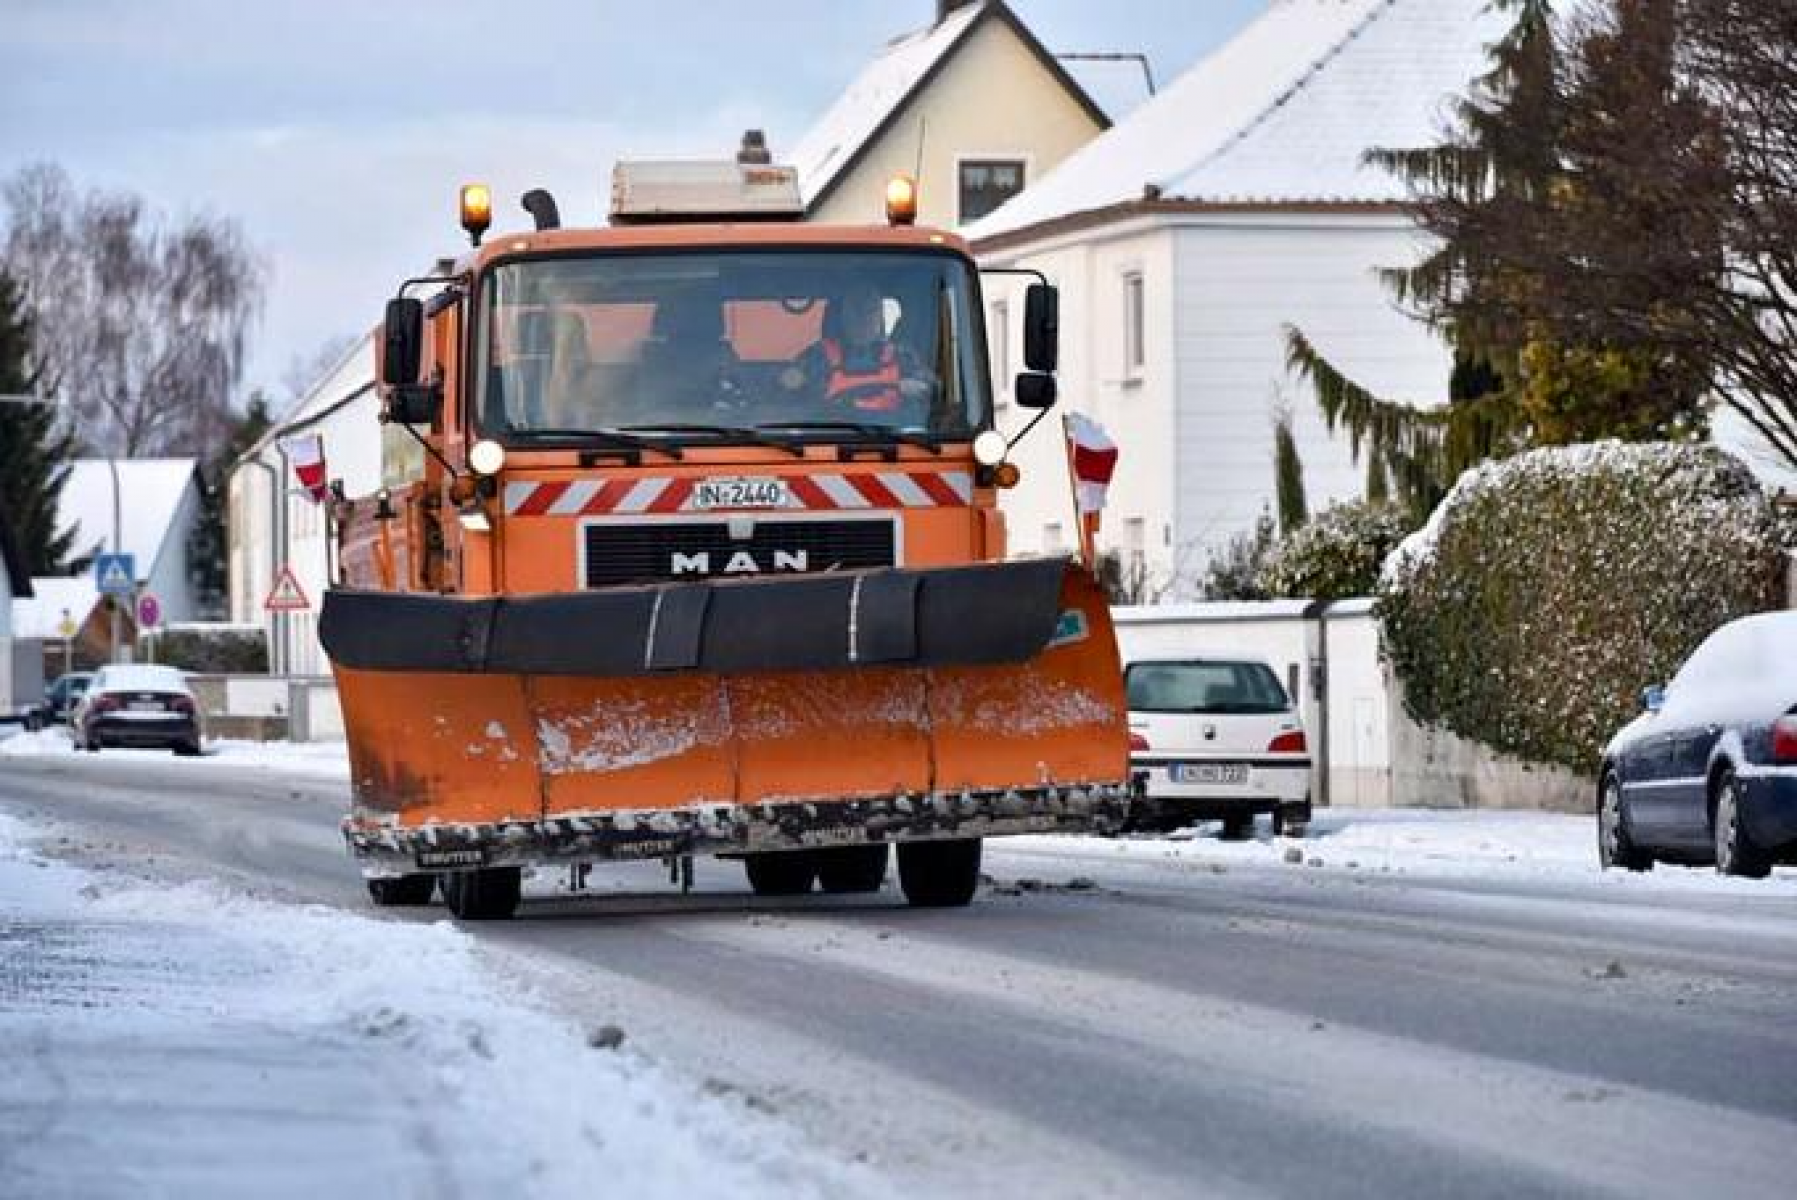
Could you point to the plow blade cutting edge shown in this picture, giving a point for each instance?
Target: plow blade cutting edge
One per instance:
(728, 716)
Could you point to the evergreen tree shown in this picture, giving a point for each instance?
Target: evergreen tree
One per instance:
(1539, 280)
(208, 545)
(1288, 472)
(34, 452)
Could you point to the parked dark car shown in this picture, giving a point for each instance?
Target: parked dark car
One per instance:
(1708, 772)
(59, 700)
(138, 705)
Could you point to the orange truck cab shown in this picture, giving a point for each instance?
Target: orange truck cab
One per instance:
(701, 553)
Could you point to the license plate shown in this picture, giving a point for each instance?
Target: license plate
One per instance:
(741, 493)
(144, 706)
(1210, 772)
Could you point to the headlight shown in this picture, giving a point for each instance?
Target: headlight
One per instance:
(486, 458)
(990, 448)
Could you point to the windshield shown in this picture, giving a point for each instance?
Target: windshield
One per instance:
(775, 340)
(1205, 687)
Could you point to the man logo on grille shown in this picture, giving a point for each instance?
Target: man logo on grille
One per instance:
(741, 562)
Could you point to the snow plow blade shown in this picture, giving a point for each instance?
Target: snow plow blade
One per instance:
(728, 716)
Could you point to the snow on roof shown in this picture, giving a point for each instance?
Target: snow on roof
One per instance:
(352, 375)
(51, 597)
(150, 494)
(1283, 113)
(883, 85)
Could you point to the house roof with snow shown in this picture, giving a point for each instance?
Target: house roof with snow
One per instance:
(1281, 116)
(880, 94)
(53, 597)
(150, 495)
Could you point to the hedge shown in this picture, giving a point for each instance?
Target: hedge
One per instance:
(1335, 554)
(209, 649)
(1548, 589)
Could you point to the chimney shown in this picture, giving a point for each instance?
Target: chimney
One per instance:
(946, 8)
(754, 151)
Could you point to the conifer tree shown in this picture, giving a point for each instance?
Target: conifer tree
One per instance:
(34, 451)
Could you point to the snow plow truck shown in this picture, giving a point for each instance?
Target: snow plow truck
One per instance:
(702, 555)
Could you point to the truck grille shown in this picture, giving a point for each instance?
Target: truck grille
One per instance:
(637, 553)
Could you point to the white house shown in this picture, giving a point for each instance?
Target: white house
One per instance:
(1186, 240)
(973, 106)
(273, 524)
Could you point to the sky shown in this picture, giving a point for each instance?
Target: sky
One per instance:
(336, 132)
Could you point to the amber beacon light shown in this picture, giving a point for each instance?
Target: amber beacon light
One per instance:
(901, 200)
(477, 210)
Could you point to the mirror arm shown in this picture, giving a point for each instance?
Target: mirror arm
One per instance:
(1025, 431)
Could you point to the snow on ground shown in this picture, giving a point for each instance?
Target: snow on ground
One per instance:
(322, 760)
(192, 1041)
(1462, 844)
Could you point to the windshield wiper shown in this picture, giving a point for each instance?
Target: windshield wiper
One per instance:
(738, 432)
(611, 437)
(884, 433)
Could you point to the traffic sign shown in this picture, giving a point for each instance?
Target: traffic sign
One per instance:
(286, 595)
(66, 627)
(149, 611)
(115, 574)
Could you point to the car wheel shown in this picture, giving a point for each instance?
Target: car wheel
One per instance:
(850, 869)
(1736, 853)
(939, 874)
(33, 723)
(489, 894)
(1614, 848)
(407, 891)
(1236, 829)
(781, 872)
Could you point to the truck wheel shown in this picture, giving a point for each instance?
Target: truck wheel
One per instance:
(490, 894)
(408, 891)
(939, 874)
(852, 869)
(781, 872)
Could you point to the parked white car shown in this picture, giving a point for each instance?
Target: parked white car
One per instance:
(1218, 738)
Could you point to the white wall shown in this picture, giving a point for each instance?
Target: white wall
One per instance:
(1137, 412)
(1241, 280)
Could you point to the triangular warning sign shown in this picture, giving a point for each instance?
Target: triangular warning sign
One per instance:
(286, 595)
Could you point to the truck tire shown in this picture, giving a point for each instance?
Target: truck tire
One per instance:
(408, 891)
(489, 894)
(781, 872)
(939, 874)
(852, 869)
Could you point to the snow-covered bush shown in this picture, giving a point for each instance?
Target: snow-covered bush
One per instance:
(1549, 588)
(209, 649)
(1336, 553)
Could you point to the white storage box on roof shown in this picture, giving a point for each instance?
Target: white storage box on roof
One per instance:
(666, 191)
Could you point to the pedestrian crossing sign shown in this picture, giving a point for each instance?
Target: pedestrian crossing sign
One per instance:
(286, 595)
(115, 574)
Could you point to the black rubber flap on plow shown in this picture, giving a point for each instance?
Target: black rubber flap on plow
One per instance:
(953, 616)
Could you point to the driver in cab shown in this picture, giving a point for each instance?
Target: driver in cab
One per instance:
(855, 367)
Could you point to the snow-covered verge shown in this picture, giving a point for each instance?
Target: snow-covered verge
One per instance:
(322, 760)
(193, 1041)
(1521, 846)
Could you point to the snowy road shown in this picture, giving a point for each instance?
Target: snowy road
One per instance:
(1457, 1006)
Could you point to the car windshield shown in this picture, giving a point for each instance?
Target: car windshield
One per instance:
(1205, 687)
(722, 346)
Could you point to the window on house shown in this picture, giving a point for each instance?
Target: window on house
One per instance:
(1135, 545)
(998, 330)
(987, 183)
(1135, 343)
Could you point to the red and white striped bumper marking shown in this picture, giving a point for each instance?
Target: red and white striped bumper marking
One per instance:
(855, 490)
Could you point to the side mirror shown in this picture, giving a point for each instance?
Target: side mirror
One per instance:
(1041, 329)
(1653, 697)
(402, 342)
(1035, 389)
